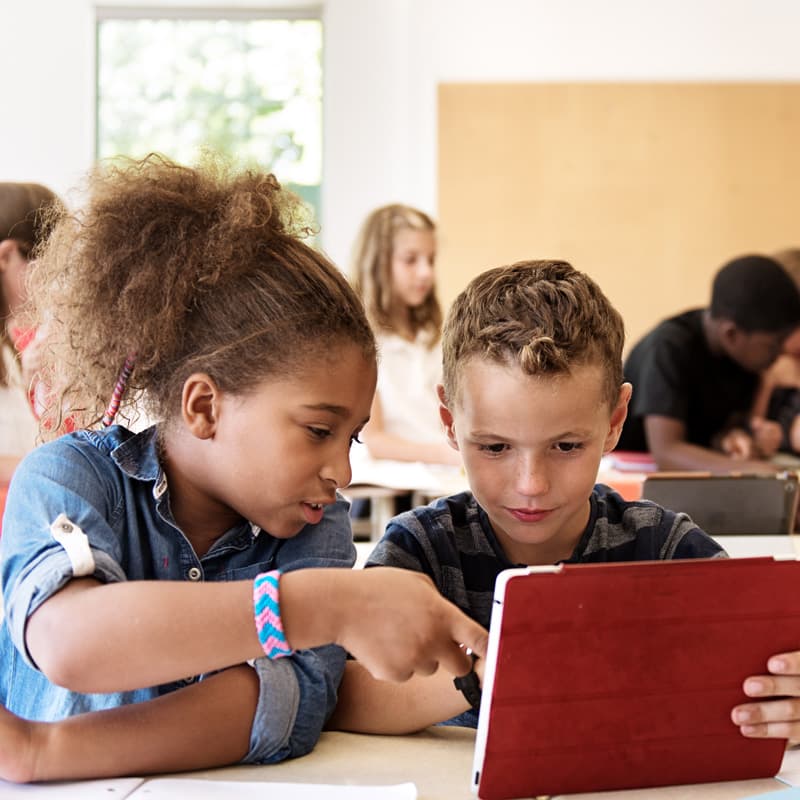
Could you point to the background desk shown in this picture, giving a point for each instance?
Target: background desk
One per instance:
(439, 761)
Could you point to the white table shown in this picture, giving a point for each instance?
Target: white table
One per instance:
(439, 761)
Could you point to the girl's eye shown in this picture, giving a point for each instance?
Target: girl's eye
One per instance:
(568, 447)
(319, 433)
(355, 440)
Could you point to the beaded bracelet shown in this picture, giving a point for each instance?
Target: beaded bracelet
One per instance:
(266, 604)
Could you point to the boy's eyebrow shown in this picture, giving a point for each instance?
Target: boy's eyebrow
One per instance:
(487, 435)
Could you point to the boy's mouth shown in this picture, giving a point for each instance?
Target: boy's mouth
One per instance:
(530, 514)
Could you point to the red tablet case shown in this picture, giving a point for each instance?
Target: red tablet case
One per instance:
(618, 676)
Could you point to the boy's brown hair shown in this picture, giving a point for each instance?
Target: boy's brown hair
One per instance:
(191, 270)
(544, 316)
(372, 268)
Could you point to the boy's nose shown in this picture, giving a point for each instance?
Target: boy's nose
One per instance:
(532, 480)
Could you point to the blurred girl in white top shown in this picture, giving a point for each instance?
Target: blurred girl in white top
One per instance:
(23, 223)
(393, 272)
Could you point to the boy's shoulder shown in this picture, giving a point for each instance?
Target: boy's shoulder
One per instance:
(441, 533)
(640, 530)
(681, 330)
(451, 518)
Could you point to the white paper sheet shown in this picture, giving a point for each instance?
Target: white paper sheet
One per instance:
(111, 789)
(172, 788)
(790, 768)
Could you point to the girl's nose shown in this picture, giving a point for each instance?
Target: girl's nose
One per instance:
(337, 469)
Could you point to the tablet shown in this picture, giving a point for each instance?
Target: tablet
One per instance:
(728, 505)
(616, 676)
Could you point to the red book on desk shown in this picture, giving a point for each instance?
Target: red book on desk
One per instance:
(616, 676)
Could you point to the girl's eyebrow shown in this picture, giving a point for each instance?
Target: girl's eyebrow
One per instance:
(340, 411)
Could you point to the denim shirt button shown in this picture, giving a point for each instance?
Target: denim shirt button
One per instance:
(194, 574)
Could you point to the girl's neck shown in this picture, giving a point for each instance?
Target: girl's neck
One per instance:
(401, 323)
(200, 517)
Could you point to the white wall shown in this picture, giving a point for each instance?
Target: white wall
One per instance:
(383, 61)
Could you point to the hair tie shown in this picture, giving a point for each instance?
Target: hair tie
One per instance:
(119, 390)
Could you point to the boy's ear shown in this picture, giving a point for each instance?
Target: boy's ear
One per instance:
(728, 332)
(200, 405)
(446, 415)
(618, 416)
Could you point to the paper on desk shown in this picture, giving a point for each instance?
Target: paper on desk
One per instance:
(781, 794)
(790, 768)
(112, 789)
(171, 788)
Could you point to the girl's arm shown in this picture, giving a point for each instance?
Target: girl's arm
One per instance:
(92, 637)
(202, 726)
(367, 705)
(382, 444)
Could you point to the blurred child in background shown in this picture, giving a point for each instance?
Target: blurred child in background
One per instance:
(24, 211)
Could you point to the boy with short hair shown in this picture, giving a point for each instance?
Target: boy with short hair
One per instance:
(695, 375)
(533, 396)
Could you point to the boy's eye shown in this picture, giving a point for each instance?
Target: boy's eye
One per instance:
(319, 433)
(494, 449)
(355, 440)
(568, 447)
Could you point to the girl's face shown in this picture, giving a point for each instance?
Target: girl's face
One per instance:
(279, 453)
(13, 266)
(413, 256)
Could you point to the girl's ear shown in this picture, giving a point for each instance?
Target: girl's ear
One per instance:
(446, 415)
(618, 416)
(200, 405)
(7, 248)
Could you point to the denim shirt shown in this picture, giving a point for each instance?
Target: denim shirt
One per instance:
(110, 485)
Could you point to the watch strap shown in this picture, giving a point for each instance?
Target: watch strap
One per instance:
(470, 685)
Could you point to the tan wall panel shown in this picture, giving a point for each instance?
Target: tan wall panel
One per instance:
(647, 187)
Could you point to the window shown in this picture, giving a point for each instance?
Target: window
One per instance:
(239, 83)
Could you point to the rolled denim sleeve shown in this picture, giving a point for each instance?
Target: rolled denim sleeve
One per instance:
(51, 481)
(298, 694)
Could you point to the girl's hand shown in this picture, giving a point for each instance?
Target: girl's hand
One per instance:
(777, 713)
(401, 625)
(394, 621)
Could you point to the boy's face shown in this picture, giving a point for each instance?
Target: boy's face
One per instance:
(753, 350)
(531, 447)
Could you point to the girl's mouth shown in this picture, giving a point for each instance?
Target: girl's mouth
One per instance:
(313, 512)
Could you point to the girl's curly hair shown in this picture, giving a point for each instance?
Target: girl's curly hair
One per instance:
(188, 269)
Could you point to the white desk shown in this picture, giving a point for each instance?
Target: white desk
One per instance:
(439, 761)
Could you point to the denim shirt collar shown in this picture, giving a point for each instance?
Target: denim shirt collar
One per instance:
(137, 456)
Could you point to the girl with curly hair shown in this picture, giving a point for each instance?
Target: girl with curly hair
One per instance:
(170, 579)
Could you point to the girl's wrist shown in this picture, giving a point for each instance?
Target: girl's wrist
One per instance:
(267, 612)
